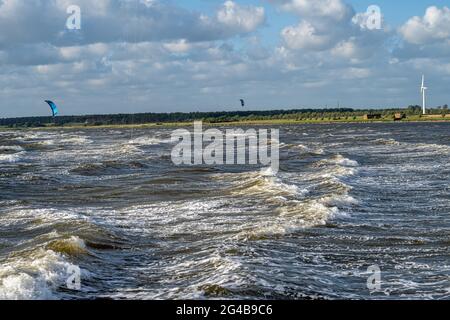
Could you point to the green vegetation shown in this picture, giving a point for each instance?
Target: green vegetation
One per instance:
(412, 113)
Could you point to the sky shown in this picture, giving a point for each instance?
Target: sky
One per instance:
(129, 56)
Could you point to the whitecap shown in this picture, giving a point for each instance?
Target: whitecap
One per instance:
(342, 161)
(34, 278)
(145, 141)
(11, 158)
(11, 148)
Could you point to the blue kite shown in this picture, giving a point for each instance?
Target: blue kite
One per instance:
(53, 107)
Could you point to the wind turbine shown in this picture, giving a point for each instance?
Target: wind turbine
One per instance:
(423, 90)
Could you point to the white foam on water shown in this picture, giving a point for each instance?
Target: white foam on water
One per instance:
(268, 172)
(49, 142)
(433, 147)
(121, 149)
(210, 273)
(167, 218)
(34, 278)
(37, 135)
(339, 200)
(342, 161)
(277, 185)
(21, 215)
(146, 141)
(310, 149)
(334, 172)
(11, 148)
(11, 158)
(430, 147)
(77, 140)
(295, 211)
(264, 182)
(294, 216)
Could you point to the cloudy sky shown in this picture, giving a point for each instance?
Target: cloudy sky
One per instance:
(204, 55)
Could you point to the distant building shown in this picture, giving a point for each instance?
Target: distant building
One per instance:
(372, 116)
(399, 116)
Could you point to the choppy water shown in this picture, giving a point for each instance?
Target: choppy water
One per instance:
(111, 202)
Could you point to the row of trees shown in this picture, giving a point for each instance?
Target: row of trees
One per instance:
(142, 118)
(214, 117)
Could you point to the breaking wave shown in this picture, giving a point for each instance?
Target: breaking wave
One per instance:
(339, 160)
(146, 141)
(11, 158)
(295, 203)
(77, 140)
(36, 277)
(72, 246)
(11, 148)
(265, 182)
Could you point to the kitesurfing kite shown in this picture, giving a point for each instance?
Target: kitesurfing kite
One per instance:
(242, 102)
(53, 107)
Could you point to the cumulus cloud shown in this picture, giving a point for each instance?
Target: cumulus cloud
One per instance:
(432, 27)
(306, 36)
(121, 20)
(242, 18)
(331, 9)
(330, 29)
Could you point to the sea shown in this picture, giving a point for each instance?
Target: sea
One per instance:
(356, 211)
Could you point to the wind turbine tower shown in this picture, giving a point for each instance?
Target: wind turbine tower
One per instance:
(423, 90)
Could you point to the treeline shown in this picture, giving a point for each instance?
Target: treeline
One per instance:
(214, 117)
(142, 118)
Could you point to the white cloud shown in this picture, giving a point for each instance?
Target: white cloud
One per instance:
(432, 27)
(121, 20)
(335, 10)
(244, 18)
(332, 30)
(179, 46)
(305, 36)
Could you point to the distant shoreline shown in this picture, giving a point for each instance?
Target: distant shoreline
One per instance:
(234, 123)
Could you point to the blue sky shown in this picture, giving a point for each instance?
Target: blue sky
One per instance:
(396, 12)
(204, 55)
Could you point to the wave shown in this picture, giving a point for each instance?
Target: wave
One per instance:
(50, 142)
(322, 197)
(339, 160)
(290, 203)
(265, 182)
(122, 149)
(11, 154)
(36, 277)
(387, 142)
(433, 147)
(309, 150)
(11, 149)
(76, 140)
(294, 216)
(148, 141)
(106, 167)
(72, 246)
(335, 167)
(11, 158)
